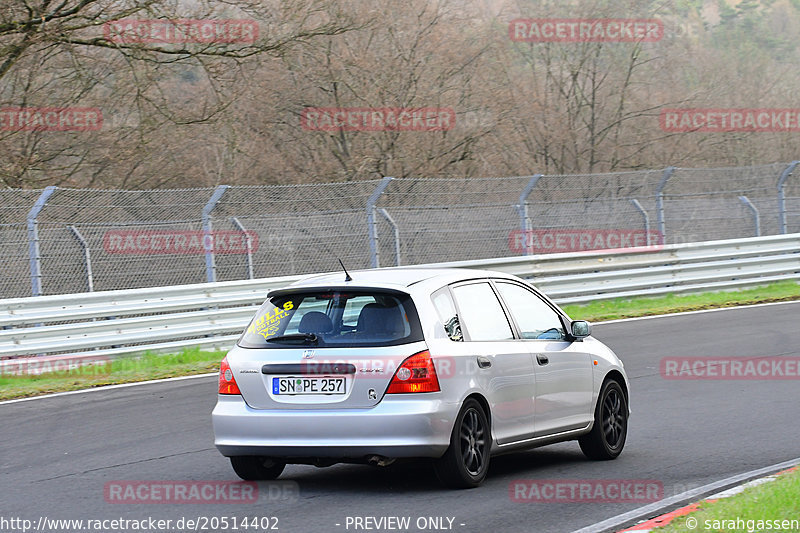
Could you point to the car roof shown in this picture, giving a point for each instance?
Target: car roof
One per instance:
(396, 278)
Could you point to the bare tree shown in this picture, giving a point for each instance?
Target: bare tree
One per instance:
(409, 55)
(71, 53)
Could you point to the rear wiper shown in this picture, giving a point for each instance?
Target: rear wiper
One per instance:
(303, 337)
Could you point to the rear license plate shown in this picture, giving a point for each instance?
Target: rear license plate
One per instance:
(308, 385)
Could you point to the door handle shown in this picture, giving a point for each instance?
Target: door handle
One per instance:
(484, 362)
(542, 359)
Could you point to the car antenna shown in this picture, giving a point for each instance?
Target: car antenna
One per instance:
(346, 275)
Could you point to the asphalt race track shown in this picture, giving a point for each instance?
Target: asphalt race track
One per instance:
(57, 454)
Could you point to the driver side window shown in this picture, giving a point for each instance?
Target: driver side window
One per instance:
(536, 319)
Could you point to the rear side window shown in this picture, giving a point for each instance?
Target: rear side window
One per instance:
(447, 314)
(334, 318)
(481, 314)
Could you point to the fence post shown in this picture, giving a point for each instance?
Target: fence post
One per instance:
(646, 218)
(385, 214)
(756, 217)
(248, 244)
(782, 195)
(522, 208)
(87, 258)
(372, 226)
(211, 267)
(662, 226)
(34, 253)
(522, 202)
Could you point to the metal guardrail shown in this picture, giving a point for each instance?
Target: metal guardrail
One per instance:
(211, 315)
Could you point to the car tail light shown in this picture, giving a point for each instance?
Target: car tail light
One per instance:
(416, 374)
(227, 383)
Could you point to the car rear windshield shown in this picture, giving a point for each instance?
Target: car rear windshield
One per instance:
(334, 318)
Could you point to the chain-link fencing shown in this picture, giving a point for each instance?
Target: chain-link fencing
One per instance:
(57, 241)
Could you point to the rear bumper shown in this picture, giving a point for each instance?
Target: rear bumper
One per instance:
(404, 426)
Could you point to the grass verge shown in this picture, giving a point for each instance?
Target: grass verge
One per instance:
(767, 507)
(194, 361)
(676, 303)
(127, 370)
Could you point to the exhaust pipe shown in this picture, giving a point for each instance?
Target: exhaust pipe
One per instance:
(379, 460)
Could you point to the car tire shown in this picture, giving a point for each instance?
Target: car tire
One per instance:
(255, 468)
(466, 461)
(607, 437)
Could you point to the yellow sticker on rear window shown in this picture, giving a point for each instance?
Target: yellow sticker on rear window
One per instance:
(267, 324)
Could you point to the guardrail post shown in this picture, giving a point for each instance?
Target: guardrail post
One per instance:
(372, 226)
(756, 217)
(34, 253)
(782, 195)
(87, 258)
(662, 225)
(385, 214)
(211, 266)
(522, 208)
(248, 245)
(646, 218)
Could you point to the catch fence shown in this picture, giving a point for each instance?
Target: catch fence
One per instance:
(59, 240)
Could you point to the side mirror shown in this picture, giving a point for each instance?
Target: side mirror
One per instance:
(580, 329)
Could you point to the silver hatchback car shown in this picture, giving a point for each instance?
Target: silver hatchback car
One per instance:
(449, 364)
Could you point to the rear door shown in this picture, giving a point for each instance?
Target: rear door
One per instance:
(325, 348)
(504, 367)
